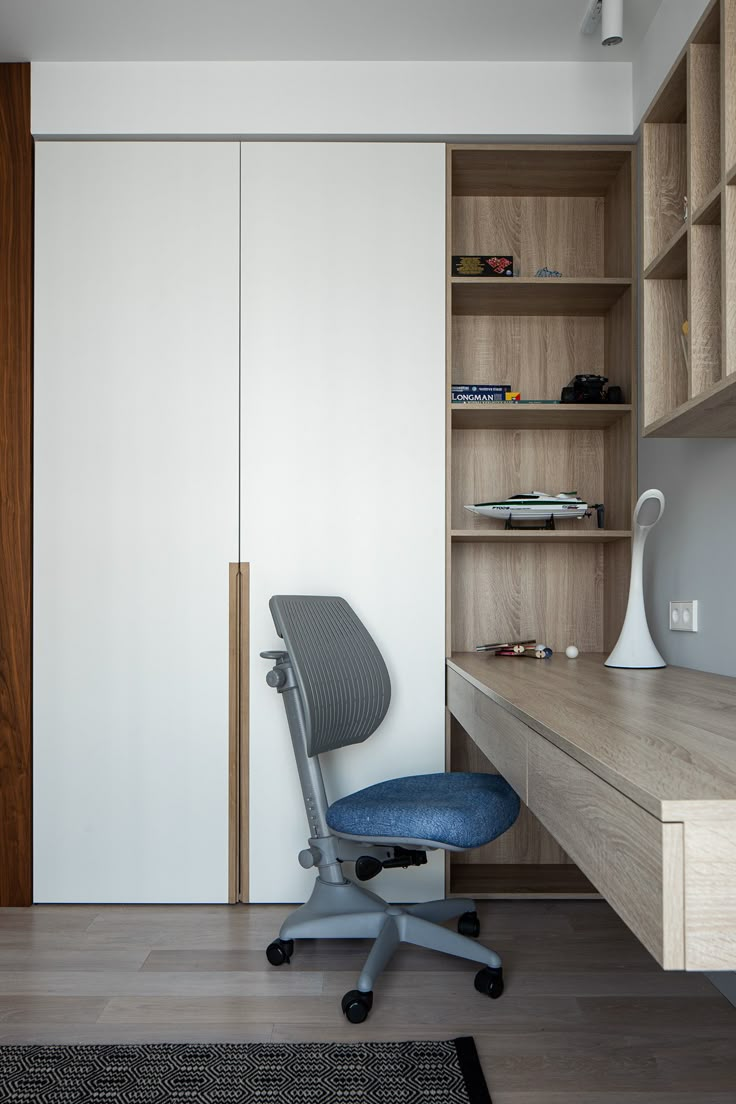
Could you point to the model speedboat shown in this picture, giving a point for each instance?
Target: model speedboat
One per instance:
(537, 506)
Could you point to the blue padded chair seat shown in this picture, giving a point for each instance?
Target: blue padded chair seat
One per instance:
(457, 809)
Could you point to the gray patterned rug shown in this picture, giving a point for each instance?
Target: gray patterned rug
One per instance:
(245, 1073)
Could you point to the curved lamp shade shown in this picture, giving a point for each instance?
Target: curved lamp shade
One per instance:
(635, 647)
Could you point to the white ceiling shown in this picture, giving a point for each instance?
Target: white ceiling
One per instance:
(286, 30)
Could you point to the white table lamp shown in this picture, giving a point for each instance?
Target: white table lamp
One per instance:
(635, 647)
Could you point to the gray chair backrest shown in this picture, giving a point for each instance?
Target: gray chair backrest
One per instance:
(339, 671)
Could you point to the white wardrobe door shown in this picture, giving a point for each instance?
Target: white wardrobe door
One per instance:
(343, 443)
(136, 506)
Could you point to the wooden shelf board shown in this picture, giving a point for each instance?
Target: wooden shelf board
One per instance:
(712, 413)
(671, 262)
(484, 880)
(544, 416)
(531, 295)
(709, 211)
(539, 536)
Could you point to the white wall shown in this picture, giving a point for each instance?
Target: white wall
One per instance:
(264, 99)
(690, 553)
(136, 468)
(343, 485)
(668, 33)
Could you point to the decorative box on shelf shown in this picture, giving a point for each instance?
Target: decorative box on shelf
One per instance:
(486, 265)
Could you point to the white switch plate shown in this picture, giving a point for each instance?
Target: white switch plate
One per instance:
(684, 616)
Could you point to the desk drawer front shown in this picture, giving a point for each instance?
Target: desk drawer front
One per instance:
(498, 734)
(633, 859)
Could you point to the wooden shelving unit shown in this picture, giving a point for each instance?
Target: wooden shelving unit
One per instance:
(689, 262)
(569, 208)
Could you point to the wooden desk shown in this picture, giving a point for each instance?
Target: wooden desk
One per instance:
(634, 774)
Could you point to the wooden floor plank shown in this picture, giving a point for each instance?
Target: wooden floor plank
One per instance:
(587, 1017)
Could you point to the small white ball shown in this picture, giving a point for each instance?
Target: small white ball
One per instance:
(571, 652)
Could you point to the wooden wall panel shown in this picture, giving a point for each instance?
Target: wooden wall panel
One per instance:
(16, 297)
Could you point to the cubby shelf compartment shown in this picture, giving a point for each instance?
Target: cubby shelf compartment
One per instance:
(520, 295)
(709, 212)
(539, 536)
(712, 413)
(543, 416)
(671, 262)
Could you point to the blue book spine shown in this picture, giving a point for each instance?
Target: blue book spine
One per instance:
(480, 388)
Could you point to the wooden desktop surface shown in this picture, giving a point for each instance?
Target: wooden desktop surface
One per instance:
(666, 738)
(633, 773)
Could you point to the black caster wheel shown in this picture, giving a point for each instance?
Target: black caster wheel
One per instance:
(489, 981)
(469, 924)
(357, 1005)
(280, 951)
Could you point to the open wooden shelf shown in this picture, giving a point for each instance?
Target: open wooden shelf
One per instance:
(539, 536)
(671, 262)
(731, 175)
(543, 416)
(530, 295)
(709, 212)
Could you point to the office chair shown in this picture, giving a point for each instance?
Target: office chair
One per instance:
(336, 691)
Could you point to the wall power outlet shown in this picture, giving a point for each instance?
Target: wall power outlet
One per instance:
(684, 616)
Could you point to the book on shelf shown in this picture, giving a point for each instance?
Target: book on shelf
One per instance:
(483, 393)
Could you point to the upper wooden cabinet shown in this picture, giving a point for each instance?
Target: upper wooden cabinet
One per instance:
(689, 262)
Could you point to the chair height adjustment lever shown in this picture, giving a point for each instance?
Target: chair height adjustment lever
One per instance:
(367, 866)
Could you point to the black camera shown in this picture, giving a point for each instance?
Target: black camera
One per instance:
(590, 389)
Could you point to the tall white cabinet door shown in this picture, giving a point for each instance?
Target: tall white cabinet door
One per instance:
(343, 447)
(136, 508)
